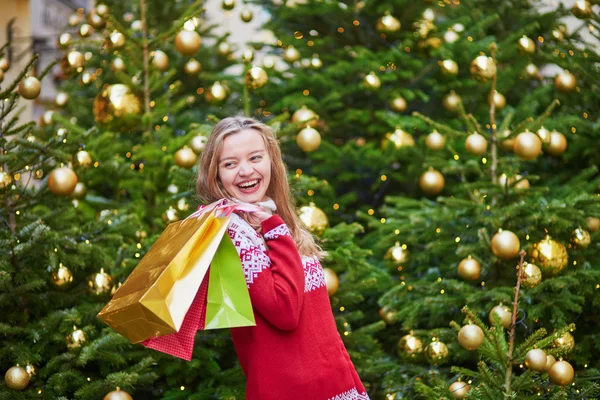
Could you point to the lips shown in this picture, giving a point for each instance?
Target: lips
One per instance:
(249, 187)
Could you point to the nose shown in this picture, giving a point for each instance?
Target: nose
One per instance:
(245, 169)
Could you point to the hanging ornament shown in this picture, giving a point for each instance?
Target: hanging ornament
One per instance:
(64, 40)
(470, 337)
(73, 61)
(331, 281)
(88, 77)
(216, 93)
(532, 71)
(100, 283)
(371, 81)
(557, 145)
(198, 143)
(228, 5)
(450, 36)
(76, 338)
(561, 373)
(432, 182)
(223, 49)
(507, 143)
(526, 45)
(160, 60)
(313, 218)
(436, 352)
(565, 81)
(83, 159)
(248, 55)
(503, 313)
(544, 135)
(399, 138)
(30, 369)
(102, 10)
(117, 106)
(459, 390)
(582, 9)
(550, 360)
(62, 277)
(549, 255)
(171, 215)
(85, 30)
(397, 253)
(410, 345)
(47, 118)
(469, 269)
(565, 343)
(256, 78)
(558, 35)
(448, 67)
(5, 180)
(580, 238)
(30, 87)
(531, 276)
(388, 24)
(536, 360)
(1, 75)
(4, 64)
(476, 144)
(79, 191)
(422, 28)
(96, 20)
(118, 395)
(62, 181)
(388, 316)
(303, 116)
(192, 67)
(498, 99)
(246, 14)
(136, 25)
(503, 180)
(435, 141)
(398, 104)
(308, 139)
(527, 145)
(451, 101)
(185, 157)
(187, 42)
(505, 244)
(593, 223)
(291, 54)
(483, 67)
(316, 62)
(117, 65)
(61, 99)
(74, 19)
(16, 378)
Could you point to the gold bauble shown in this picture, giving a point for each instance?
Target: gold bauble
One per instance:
(469, 269)
(47, 118)
(536, 359)
(118, 395)
(504, 314)
(136, 25)
(435, 141)
(476, 144)
(62, 277)
(117, 40)
(100, 283)
(581, 238)
(565, 81)
(557, 145)
(582, 9)
(313, 218)
(73, 61)
(505, 244)
(459, 390)
(228, 5)
(171, 215)
(303, 116)
(4, 64)
(316, 62)
(331, 281)
(102, 10)
(96, 20)
(5, 179)
(291, 54)
(74, 19)
(550, 360)
(88, 77)
(117, 64)
(451, 101)
(507, 144)
(30, 87)
(1, 75)
(185, 157)
(410, 345)
(432, 182)
(503, 180)
(187, 42)
(160, 60)
(388, 24)
(549, 255)
(387, 315)
(561, 373)
(399, 138)
(398, 104)
(16, 378)
(198, 143)
(223, 49)
(470, 337)
(450, 37)
(76, 338)
(192, 67)
(83, 158)
(531, 275)
(371, 81)
(30, 369)
(483, 67)
(498, 99)
(79, 191)
(216, 93)
(64, 40)
(526, 45)
(308, 139)
(256, 78)
(61, 99)
(397, 253)
(593, 223)
(62, 181)
(544, 135)
(532, 71)
(449, 67)
(246, 15)
(85, 30)
(436, 352)
(565, 343)
(527, 145)
(558, 35)
(116, 105)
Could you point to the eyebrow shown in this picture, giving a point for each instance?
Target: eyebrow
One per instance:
(251, 153)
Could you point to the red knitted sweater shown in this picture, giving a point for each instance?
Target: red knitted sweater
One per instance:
(295, 351)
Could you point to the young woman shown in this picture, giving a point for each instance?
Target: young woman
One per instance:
(295, 351)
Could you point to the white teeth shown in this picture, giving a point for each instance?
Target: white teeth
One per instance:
(248, 184)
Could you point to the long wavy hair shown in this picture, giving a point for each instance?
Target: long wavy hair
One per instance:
(209, 187)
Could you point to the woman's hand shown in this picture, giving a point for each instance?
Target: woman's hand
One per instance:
(256, 218)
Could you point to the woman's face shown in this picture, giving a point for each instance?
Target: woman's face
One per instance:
(245, 166)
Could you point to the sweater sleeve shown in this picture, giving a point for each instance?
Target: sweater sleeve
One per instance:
(275, 277)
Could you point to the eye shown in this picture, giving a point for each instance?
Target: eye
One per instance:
(256, 158)
(228, 164)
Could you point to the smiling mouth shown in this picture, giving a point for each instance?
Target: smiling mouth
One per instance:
(249, 184)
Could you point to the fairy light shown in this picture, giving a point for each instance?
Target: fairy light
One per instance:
(383, 178)
(336, 206)
(456, 157)
(437, 230)
(306, 92)
(397, 231)
(356, 22)
(182, 388)
(137, 255)
(164, 148)
(310, 192)
(165, 118)
(340, 29)
(382, 220)
(342, 308)
(457, 239)
(484, 160)
(371, 211)
(310, 43)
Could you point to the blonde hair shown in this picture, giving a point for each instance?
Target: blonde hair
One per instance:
(209, 187)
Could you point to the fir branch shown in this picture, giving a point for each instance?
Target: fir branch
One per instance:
(537, 122)
(531, 341)
(440, 127)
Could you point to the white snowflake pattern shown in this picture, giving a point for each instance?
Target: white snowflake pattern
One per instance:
(314, 277)
(279, 230)
(351, 394)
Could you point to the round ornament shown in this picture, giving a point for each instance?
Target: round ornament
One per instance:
(544, 135)
(582, 9)
(470, 337)
(399, 138)
(398, 104)
(532, 71)
(450, 36)
(532, 275)
(549, 255)
(436, 352)
(503, 180)
(4, 64)
(96, 20)
(410, 345)
(565, 81)
(198, 143)
(170, 215)
(526, 45)
(581, 238)
(459, 390)
(117, 64)
(76, 338)
(331, 281)
(469, 269)
(47, 118)
(137, 25)
(483, 67)
(100, 283)
(62, 277)
(256, 78)
(388, 24)
(371, 81)
(561, 373)
(248, 55)
(527, 145)
(507, 144)
(291, 54)
(432, 182)
(498, 100)
(185, 157)
(316, 62)
(536, 359)
(16, 378)
(313, 218)
(387, 315)
(30, 369)
(79, 191)
(565, 343)
(504, 314)
(451, 101)
(228, 5)
(435, 141)
(118, 395)
(558, 35)
(192, 67)
(476, 144)
(74, 19)
(216, 93)
(223, 49)
(30, 87)
(550, 360)
(593, 223)
(117, 106)
(5, 180)
(187, 42)
(102, 10)
(61, 99)
(449, 67)
(303, 116)
(64, 40)
(505, 244)
(1, 75)
(85, 30)
(397, 253)
(308, 139)
(246, 15)
(160, 60)
(62, 181)
(557, 145)
(83, 158)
